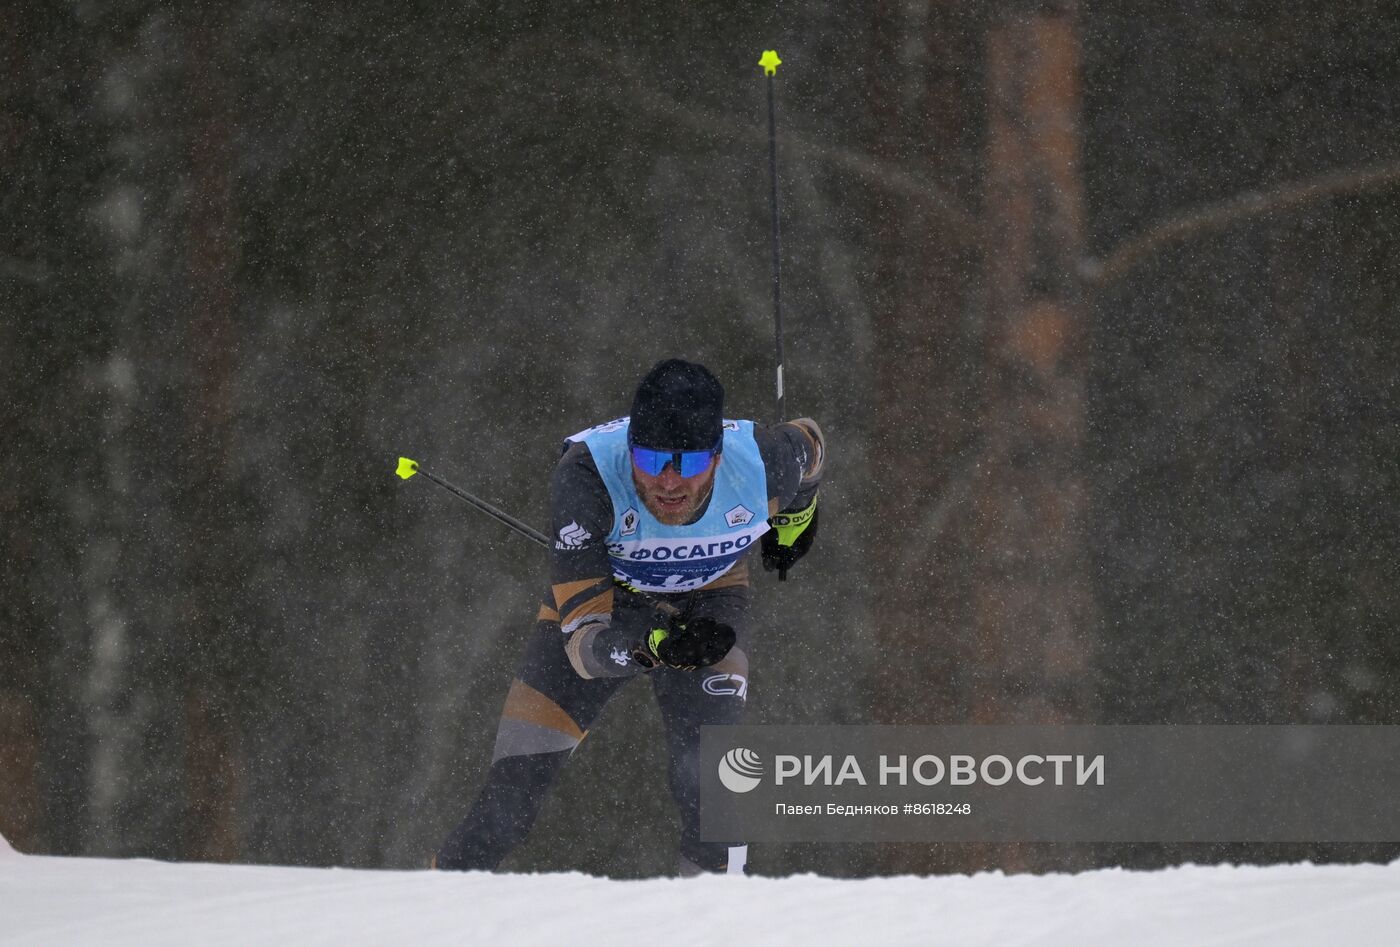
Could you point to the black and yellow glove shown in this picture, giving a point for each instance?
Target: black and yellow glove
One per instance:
(695, 644)
(791, 535)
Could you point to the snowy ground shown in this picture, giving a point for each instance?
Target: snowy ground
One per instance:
(96, 901)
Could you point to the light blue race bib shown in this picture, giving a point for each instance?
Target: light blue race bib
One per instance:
(649, 555)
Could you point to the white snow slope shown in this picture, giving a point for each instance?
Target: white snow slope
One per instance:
(99, 901)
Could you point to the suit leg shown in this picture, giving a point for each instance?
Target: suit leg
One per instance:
(546, 714)
(688, 701)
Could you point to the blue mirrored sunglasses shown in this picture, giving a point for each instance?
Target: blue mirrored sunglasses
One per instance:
(688, 463)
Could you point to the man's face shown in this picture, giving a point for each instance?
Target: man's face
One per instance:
(671, 498)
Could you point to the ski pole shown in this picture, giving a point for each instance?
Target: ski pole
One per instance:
(770, 63)
(407, 468)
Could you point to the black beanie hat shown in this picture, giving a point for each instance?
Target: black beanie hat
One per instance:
(679, 405)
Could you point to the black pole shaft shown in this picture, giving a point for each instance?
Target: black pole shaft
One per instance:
(777, 260)
(531, 533)
(489, 510)
(777, 242)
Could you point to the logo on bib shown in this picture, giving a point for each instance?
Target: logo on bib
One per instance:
(629, 522)
(739, 516)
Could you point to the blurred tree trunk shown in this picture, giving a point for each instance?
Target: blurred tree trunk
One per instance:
(984, 610)
(1033, 610)
(1034, 615)
(53, 298)
(210, 767)
(211, 782)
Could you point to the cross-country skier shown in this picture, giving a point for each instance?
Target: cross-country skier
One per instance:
(667, 501)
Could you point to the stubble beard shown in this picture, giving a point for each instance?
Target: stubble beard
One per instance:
(679, 516)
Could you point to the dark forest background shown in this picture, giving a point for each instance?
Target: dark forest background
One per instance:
(1095, 302)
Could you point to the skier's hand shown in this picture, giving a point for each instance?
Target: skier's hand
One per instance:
(791, 535)
(698, 643)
